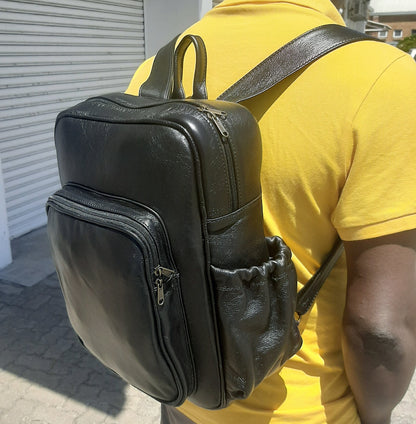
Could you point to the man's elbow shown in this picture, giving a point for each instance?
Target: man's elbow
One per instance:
(379, 344)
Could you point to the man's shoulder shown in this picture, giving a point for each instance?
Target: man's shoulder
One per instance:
(374, 56)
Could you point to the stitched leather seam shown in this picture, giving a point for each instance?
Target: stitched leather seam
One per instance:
(237, 212)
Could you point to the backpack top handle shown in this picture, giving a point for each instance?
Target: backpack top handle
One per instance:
(165, 79)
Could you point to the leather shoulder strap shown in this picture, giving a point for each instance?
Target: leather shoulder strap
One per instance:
(290, 58)
(307, 295)
(284, 62)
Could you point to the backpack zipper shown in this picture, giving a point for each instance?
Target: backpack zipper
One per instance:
(216, 117)
(160, 272)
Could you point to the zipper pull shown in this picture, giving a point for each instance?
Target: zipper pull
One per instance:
(216, 117)
(161, 272)
(160, 292)
(165, 272)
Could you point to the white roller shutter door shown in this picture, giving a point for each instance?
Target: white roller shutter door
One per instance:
(52, 55)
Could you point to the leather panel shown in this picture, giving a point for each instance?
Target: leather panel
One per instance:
(110, 315)
(121, 159)
(236, 240)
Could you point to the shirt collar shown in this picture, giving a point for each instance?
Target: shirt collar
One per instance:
(323, 6)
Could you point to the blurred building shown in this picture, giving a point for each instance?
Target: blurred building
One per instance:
(392, 20)
(355, 13)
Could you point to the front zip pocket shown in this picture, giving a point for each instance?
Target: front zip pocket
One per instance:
(122, 289)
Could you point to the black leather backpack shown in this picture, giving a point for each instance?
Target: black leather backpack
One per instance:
(157, 232)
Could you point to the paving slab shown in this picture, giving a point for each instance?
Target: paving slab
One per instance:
(31, 259)
(47, 377)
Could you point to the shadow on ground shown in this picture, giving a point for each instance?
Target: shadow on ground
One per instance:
(38, 344)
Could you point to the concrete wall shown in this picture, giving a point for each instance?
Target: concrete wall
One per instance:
(355, 14)
(165, 19)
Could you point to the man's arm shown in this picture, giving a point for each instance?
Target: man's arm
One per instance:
(379, 328)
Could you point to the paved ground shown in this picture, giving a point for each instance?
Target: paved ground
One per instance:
(46, 377)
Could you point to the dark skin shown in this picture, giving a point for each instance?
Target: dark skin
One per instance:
(379, 328)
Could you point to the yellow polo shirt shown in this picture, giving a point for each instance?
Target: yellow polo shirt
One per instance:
(339, 155)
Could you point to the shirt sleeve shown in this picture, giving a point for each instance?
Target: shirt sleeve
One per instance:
(379, 195)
